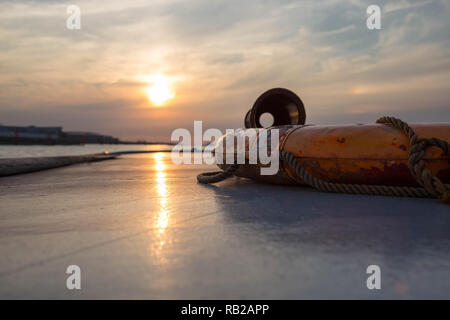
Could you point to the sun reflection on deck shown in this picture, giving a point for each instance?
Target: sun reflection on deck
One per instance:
(162, 220)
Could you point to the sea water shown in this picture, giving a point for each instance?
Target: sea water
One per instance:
(25, 151)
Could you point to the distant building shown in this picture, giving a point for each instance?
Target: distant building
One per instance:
(49, 135)
(31, 133)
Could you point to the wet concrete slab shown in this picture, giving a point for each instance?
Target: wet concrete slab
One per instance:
(12, 166)
(142, 227)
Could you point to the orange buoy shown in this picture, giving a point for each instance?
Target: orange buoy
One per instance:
(372, 154)
(387, 158)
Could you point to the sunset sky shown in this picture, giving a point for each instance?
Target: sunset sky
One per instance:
(217, 57)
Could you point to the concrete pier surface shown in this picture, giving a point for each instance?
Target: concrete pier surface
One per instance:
(141, 227)
(12, 166)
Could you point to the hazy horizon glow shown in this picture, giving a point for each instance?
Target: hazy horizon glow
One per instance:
(219, 56)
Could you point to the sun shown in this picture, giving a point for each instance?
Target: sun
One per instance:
(159, 92)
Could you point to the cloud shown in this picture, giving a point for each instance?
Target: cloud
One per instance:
(404, 4)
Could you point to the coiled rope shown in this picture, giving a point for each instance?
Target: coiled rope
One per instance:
(431, 186)
(216, 176)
